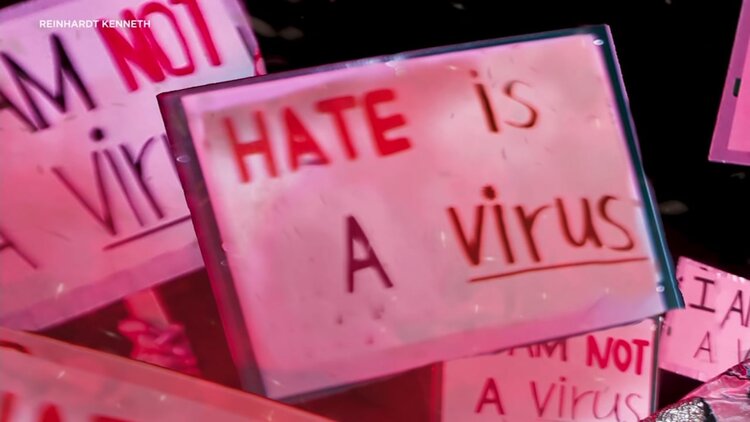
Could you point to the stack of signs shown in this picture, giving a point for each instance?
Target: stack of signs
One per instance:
(731, 143)
(90, 206)
(713, 333)
(375, 216)
(45, 380)
(602, 376)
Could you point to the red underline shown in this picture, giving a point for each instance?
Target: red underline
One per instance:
(147, 233)
(557, 266)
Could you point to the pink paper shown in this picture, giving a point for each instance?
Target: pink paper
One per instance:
(731, 142)
(740, 137)
(41, 377)
(711, 334)
(91, 208)
(602, 376)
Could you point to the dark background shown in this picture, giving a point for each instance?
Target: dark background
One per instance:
(674, 56)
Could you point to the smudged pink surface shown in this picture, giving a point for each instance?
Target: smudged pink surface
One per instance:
(590, 375)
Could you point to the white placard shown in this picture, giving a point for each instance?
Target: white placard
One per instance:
(712, 333)
(378, 217)
(601, 376)
(44, 380)
(90, 206)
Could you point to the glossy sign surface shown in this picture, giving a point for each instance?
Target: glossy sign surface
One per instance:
(385, 214)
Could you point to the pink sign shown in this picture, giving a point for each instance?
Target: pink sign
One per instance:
(91, 208)
(45, 380)
(601, 376)
(372, 217)
(712, 333)
(731, 143)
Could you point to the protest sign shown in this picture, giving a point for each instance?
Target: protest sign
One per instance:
(370, 217)
(45, 380)
(712, 333)
(731, 142)
(601, 376)
(91, 209)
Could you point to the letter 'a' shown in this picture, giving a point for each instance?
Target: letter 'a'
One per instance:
(355, 232)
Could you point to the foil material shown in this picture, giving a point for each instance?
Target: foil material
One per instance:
(725, 398)
(694, 410)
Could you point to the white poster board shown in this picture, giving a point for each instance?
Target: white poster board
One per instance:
(389, 213)
(602, 376)
(90, 206)
(712, 333)
(45, 380)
